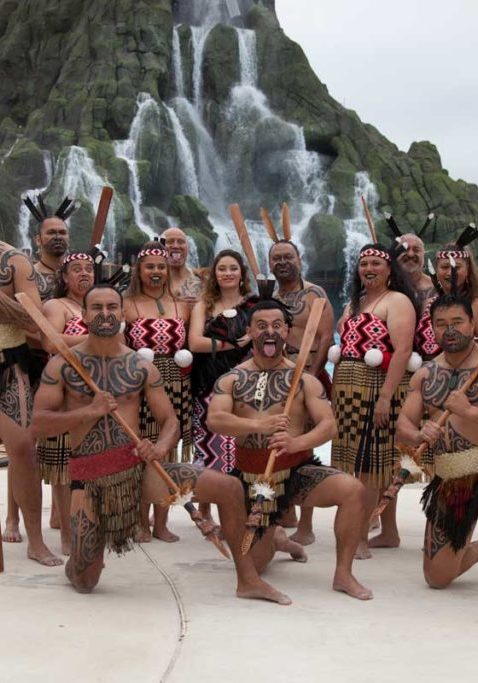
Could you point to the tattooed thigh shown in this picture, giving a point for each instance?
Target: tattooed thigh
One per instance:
(87, 541)
(307, 477)
(435, 540)
(16, 397)
(183, 474)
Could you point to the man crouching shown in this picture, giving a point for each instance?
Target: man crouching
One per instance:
(248, 402)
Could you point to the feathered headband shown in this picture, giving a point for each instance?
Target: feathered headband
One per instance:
(77, 256)
(40, 211)
(372, 251)
(160, 250)
(458, 250)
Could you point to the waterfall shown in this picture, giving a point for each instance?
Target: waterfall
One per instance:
(187, 170)
(177, 64)
(209, 166)
(357, 232)
(9, 151)
(247, 56)
(193, 258)
(24, 214)
(81, 180)
(199, 36)
(126, 150)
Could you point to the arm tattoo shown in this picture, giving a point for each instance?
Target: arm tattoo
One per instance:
(87, 542)
(48, 379)
(46, 284)
(119, 376)
(297, 301)
(159, 382)
(435, 540)
(8, 270)
(276, 390)
(13, 313)
(217, 388)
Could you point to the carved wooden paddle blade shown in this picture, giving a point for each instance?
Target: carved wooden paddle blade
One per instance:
(244, 239)
(247, 541)
(286, 227)
(269, 225)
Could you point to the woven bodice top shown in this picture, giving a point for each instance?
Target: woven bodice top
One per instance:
(425, 342)
(164, 336)
(363, 332)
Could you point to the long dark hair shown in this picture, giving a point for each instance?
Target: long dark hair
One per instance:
(212, 291)
(398, 281)
(470, 286)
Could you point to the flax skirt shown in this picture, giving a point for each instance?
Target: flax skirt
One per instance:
(360, 447)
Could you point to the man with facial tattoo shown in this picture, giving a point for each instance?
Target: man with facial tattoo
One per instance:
(248, 404)
(450, 501)
(299, 295)
(52, 241)
(106, 468)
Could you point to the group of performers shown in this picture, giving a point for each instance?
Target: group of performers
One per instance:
(198, 367)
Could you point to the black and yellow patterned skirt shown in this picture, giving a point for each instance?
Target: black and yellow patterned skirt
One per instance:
(177, 385)
(360, 446)
(53, 454)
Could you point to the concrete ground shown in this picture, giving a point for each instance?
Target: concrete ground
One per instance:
(168, 613)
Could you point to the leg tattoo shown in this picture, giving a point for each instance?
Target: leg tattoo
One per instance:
(435, 540)
(86, 542)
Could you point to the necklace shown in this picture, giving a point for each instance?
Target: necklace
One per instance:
(47, 266)
(157, 300)
(454, 377)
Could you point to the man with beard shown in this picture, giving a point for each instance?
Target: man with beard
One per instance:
(184, 283)
(17, 275)
(299, 295)
(248, 404)
(450, 501)
(412, 262)
(106, 468)
(52, 241)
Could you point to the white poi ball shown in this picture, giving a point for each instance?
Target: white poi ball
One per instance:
(415, 362)
(333, 354)
(229, 313)
(183, 358)
(146, 354)
(373, 358)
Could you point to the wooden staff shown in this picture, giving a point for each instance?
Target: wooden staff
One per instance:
(253, 521)
(101, 216)
(371, 225)
(244, 239)
(286, 227)
(206, 528)
(269, 225)
(392, 491)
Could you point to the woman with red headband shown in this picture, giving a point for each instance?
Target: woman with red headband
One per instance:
(75, 278)
(157, 321)
(370, 381)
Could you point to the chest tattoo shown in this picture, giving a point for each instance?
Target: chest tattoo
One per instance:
(119, 376)
(262, 389)
(441, 381)
(297, 301)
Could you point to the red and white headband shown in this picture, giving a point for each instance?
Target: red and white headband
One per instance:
(375, 252)
(453, 254)
(77, 256)
(156, 251)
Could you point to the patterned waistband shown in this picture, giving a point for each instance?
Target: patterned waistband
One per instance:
(11, 336)
(457, 465)
(97, 465)
(254, 460)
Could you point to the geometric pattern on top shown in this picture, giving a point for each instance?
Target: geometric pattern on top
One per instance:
(363, 332)
(75, 326)
(425, 341)
(163, 335)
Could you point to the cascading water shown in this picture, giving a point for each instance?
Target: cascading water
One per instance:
(247, 56)
(24, 215)
(79, 178)
(187, 170)
(177, 64)
(357, 232)
(127, 150)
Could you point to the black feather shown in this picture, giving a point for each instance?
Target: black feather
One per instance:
(469, 234)
(42, 206)
(73, 207)
(393, 225)
(63, 207)
(265, 286)
(32, 209)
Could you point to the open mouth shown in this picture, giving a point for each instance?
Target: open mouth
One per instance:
(269, 348)
(155, 280)
(175, 256)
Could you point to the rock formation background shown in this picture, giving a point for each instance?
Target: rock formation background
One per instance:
(186, 106)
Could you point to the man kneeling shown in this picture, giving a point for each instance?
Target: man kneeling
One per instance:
(248, 402)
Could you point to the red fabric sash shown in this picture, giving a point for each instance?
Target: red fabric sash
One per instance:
(254, 460)
(89, 467)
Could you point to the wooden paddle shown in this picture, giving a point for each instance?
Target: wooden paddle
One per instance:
(286, 227)
(371, 225)
(101, 216)
(269, 225)
(398, 481)
(206, 528)
(244, 239)
(253, 521)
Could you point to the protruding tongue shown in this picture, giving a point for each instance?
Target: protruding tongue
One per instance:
(269, 349)
(175, 256)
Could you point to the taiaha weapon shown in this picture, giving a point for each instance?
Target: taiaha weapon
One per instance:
(262, 487)
(269, 225)
(411, 458)
(428, 220)
(244, 239)
(181, 495)
(286, 227)
(371, 225)
(434, 277)
(101, 216)
(392, 224)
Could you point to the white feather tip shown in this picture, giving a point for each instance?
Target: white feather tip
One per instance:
(263, 489)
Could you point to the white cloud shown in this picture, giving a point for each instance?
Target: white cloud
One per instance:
(408, 68)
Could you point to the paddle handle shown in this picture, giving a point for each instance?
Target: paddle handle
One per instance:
(371, 225)
(244, 239)
(269, 225)
(101, 216)
(286, 226)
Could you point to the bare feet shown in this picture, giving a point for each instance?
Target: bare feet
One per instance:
(362, 552)
(283, 544)
(288, 519)
(142, 535)
(43, 556)
(303, 537)
(165, 535)
(260, 590)
(12, 533)
(384, 541)
(346, 583)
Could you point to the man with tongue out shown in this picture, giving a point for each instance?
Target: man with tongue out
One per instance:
(184, 283)
(248, 404)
